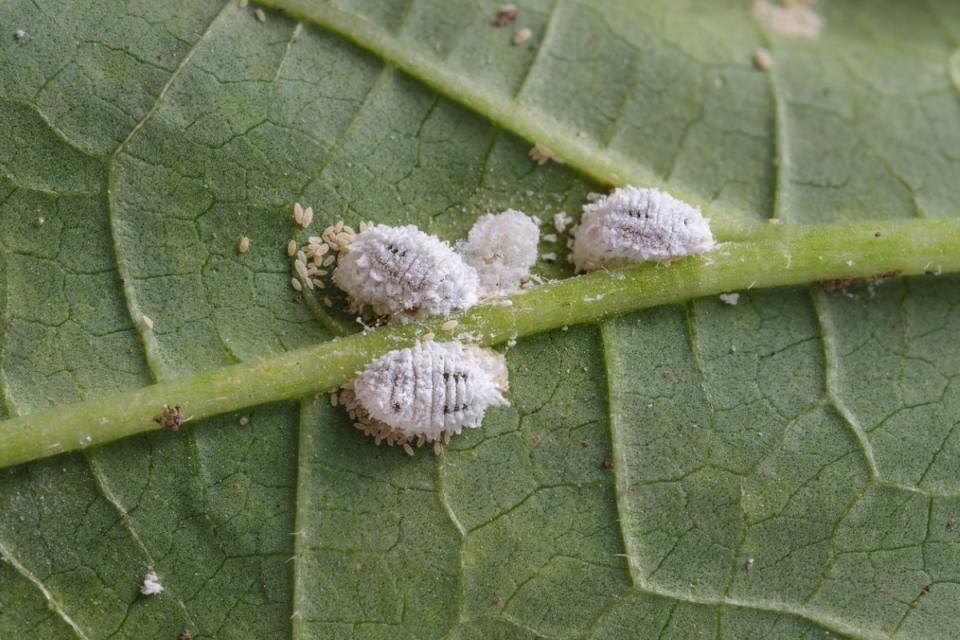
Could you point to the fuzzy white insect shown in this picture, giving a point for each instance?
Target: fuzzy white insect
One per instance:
(403, 272)
(432, 388)
(502, 248)
(638, 225)
(151, 585)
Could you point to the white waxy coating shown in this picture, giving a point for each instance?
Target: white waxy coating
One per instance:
(638, 225)
(401, 271)
(432, 387)
(502, 248)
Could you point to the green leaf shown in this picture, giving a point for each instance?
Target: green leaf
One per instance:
(807, 435)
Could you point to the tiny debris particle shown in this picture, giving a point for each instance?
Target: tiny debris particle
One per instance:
(449, 325)
(561, 221)
(762, 59)
(522, 36)
(151, 585)
(794, 19)
(147, 321)
(291, 247)
(261, 16)
(607, 462)
(549, 257)
(730, 298)
(550, 237)
(244, 421)
(952, 524)
(170, 418)
(749, 565)
(506, 15)
(20, 35)
(39, 222)
(244, 245)
(187, 634)
(541, 154)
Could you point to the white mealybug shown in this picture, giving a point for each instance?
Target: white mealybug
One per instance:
(432, 389)
(638, 225)
(502, 248)
(403, 272)
(151, 585)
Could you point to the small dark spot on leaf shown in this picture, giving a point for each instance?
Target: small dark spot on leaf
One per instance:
(186, 635)
(876, 234)
(585, 444)
(952, 524)
(607, 462)
(505, 15)
(170, 418)
(841, 284)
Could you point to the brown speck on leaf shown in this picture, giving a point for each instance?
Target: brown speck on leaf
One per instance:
(841, 284)
(497, 600)
(186, 635)
(952, 524)
(876, 234)
(505, 15)
(170, 418)
(607, 462)
(915, 603)
(584, 444)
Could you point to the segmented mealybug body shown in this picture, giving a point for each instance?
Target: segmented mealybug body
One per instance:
(638, 225)
(432, 387)
(502, 248)
(401, 271)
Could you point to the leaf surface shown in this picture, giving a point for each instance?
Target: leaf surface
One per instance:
(644, 464)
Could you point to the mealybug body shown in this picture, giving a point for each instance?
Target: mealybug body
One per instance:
(432, 388)
(401, 271)
(638, 225)
(502, 248)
